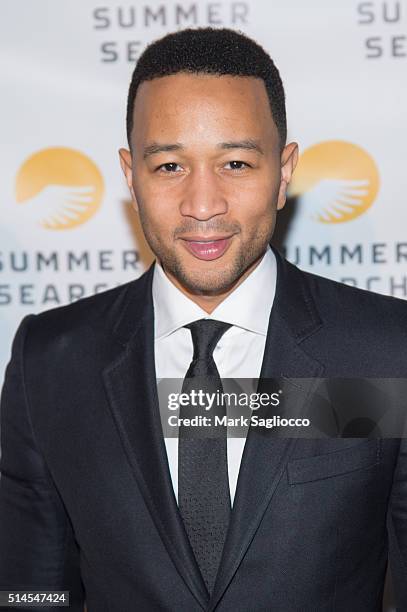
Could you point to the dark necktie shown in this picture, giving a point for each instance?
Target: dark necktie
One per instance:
(203, 483)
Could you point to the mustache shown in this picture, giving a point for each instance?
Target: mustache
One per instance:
(213, 226)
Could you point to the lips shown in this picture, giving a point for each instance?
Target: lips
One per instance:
(208, 248)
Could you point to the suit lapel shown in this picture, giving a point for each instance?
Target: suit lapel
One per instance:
(130, 384)
(293, 318)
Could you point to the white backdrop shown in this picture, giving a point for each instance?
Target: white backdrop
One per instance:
(66, 226)
(67, 229)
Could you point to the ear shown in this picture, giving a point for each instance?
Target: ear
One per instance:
(126, 164)
(289, 159)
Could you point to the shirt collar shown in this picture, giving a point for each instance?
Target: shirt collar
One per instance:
(248, 306)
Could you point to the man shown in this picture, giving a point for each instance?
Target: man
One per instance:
(93, 498)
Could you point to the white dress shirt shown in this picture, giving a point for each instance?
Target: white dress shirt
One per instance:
(239, 352)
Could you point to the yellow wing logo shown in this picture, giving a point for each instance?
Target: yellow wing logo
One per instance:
(336, 181)
(60, 188)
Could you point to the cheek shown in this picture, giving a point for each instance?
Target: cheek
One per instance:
(156, 230)
(253, 204)
(157, 218)
(160, 201)
(155, 207)
(260, 190)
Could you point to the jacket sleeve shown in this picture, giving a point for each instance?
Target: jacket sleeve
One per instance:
(37, 545)
(397, 528)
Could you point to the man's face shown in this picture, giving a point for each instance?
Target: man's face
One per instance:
(207, 176)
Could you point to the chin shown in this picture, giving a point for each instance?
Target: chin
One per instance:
(207, 277)
(208, 282)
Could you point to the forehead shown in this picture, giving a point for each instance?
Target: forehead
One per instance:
(200, 103)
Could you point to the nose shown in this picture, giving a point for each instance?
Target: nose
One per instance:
(203, 196)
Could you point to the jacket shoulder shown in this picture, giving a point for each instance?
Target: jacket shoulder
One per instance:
(82, 322)
(352, 304)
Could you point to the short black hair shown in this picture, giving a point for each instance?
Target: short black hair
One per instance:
(219, 51)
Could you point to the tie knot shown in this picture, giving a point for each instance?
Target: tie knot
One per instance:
(206, 333)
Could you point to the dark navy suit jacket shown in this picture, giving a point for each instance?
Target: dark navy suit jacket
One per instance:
(86, 500)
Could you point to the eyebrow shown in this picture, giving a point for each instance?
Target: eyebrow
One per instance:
(156, 147)
(249, 144)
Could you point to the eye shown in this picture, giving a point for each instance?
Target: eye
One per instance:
(237, 165)
(170, 167)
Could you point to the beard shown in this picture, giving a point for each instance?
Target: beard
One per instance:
(217, 278)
